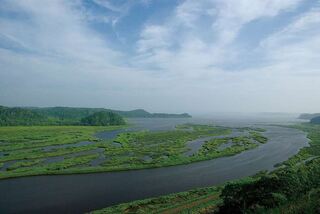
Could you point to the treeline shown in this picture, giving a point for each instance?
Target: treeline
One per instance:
(18, 116)
(315, 120)
(73, 116)
(29, 117)
(103, 118)
(307, 116)
(70, 113)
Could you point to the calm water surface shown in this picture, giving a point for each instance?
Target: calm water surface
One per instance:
(85, 192)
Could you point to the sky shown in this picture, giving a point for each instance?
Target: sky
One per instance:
(196, 56)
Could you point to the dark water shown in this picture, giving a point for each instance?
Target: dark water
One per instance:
(85, 192)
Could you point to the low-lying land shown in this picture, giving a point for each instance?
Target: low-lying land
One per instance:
(45, 150)
(294, 187)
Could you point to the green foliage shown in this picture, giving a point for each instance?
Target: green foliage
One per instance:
(103, 118)
(18, 116)
(26, 145)
(75, 114)
(162, 204)
(239, 197)
(58, 116)
(134, 113)
(258, 137)
(236, 145)
(134, 150)
(279, 189)
(308, 116)
(315, 120)
(24, 164)
(67, 113)
(72, 116)
(307, 203)
(71, 162)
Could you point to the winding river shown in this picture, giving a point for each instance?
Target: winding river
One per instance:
(85, 192)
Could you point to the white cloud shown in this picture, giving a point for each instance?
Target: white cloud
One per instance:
(179, 64)
(202, 34)
(297, 45)
(54, 28)
(195, 45)
(233, 14)
(120, 9)
(59, 54)
(154, 36)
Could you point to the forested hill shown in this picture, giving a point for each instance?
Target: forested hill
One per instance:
(19, 116)
(35, 116)
(71, 116)
(308, 116)
(103, 118)
(67, 113)
(138, 113)
(315, 120)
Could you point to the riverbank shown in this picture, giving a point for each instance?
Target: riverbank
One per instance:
(208, 200)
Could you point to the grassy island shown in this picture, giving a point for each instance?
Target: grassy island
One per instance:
(46, 150)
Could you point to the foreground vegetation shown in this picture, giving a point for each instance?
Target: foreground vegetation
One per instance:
(45, 150)
(194, 200)
(293, 188)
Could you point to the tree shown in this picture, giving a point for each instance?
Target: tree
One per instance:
(103, 118)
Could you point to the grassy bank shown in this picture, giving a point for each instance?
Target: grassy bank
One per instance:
(173, 203)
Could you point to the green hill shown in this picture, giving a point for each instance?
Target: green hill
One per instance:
(308, 116)
(57, 116)
(72, 116)
(71, 113)
(67, 114)
(315, 120)
(19, 116)
(137, 113)
(103, 118)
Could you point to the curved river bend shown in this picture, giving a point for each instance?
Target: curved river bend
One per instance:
(86, 192)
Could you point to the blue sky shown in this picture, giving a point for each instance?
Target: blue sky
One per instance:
(162, 55)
